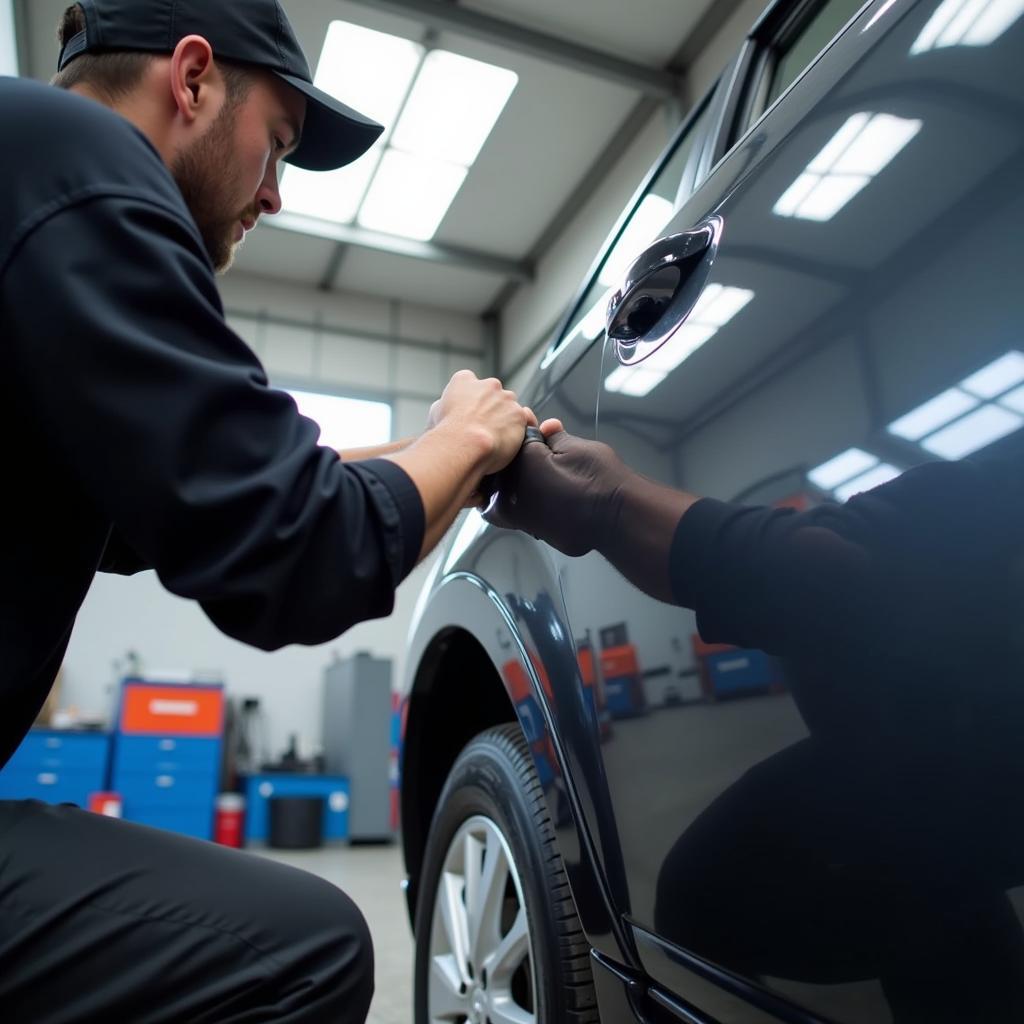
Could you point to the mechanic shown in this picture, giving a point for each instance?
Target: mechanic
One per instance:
(892, 827)
(142, 434)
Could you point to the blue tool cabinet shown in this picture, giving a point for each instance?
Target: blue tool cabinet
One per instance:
(167, 752)
(57, 766)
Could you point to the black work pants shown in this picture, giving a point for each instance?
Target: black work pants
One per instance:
(103, 920)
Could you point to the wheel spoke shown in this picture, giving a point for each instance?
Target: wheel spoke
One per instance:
(472, 855)
(485, 922)
(453, 914)
(472, 964)
(509, 954)
(506, 1011)
(446, 1001)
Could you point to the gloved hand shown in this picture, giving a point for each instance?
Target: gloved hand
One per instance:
(567, 493)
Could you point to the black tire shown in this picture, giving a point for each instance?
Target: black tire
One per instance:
(494, 778)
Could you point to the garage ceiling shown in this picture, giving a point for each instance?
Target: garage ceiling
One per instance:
(583, 67)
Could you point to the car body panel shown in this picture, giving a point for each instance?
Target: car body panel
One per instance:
(855, 318)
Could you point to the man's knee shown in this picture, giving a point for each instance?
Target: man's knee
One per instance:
(326, 950)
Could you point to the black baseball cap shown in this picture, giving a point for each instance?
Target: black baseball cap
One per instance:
(247, 31)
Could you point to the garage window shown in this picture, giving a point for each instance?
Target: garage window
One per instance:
(346, 422)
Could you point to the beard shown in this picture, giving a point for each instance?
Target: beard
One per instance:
(205, 174)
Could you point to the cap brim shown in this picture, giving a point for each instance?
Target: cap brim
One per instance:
(333, 135)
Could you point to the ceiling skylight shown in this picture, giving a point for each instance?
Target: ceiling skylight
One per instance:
(453, 107)
(973, 432)
(717, 305)
(410, 194)
(934, 413)
(370, 71)
(967, 23)
(851, 463)
(438, 109)
(999, 376)
(866, 481)
(863, 146)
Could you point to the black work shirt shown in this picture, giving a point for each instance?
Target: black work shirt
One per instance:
(900, 614)
(139, 430)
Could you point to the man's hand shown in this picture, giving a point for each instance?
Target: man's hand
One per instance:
(485, 412)
(567, 492)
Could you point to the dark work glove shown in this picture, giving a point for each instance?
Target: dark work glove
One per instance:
(566, 492)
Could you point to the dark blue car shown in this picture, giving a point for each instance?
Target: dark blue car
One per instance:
(608, 816)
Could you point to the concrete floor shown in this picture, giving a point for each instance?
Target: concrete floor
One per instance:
(371, 875)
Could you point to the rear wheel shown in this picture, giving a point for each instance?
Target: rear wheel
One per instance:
(497, 936)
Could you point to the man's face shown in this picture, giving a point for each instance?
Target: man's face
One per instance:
(228, 176)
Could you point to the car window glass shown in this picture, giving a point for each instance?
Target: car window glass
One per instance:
(668, 191)
(805, 44)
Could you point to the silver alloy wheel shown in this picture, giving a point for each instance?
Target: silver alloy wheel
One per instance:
(481, 959)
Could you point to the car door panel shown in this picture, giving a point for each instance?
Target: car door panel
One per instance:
(855, 315)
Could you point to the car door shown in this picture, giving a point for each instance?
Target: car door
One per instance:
(846, 305)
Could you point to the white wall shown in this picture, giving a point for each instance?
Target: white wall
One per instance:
(122, 614)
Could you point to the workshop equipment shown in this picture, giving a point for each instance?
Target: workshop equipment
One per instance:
(357, 740)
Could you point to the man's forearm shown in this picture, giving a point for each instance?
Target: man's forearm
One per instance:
(374, 451)
(638, 540)
(445, 464)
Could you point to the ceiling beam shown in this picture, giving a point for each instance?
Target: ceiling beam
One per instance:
(443, 16)
(395, 245)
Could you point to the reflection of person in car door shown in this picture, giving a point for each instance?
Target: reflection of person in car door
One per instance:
(883, 845)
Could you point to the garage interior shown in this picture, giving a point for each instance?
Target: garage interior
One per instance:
(364, 317)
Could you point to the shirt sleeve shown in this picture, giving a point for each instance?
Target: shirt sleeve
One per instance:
(156, 410)
(895, 560)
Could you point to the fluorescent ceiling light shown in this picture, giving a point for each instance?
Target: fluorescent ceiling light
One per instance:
(328, 195)
(441, 107)
(973, 432)
(933, 414)
(851, 463)
(999, 376)
(866, 481)
(860, 149)
(827, 196)
(653, 213)
(346, 422)
(717, 305)
(635, 381)
(410, 195)
(453, 107)
(1014, 400)
(967, 23)
(686, 340)
(368, 70)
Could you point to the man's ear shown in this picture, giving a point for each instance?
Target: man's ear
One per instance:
(195, 81)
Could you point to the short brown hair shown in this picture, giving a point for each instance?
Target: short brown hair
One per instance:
(118, 72)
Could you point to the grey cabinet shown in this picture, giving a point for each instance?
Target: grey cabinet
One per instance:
(357, 738)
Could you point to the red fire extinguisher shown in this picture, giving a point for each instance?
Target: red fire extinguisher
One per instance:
(229, 818)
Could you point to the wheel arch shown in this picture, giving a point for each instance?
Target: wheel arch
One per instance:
(457, 692)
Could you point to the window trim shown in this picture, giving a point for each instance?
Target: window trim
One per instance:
(777, 26)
